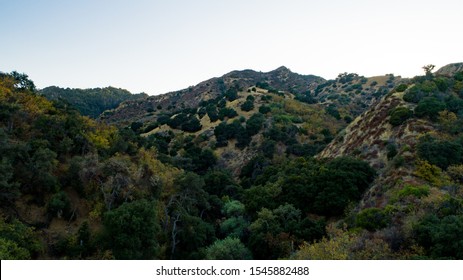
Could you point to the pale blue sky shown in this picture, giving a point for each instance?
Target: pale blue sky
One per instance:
(161, 46)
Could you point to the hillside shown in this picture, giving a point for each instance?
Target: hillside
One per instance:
(253, 114)
(412, 137)
(261, 165)
(281, 79)
(91, 102)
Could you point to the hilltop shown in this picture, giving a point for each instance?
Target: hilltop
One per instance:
(281, 79)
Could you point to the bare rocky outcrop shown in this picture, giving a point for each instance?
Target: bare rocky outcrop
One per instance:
(450, 69)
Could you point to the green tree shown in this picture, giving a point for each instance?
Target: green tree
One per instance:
(399, 115)
(428, 70)
(275, 232)
(231, 94)
(372, 219)
(247, 106)
(59, 205)
(254, 123)
(440, 152)
(227, 113)
(9, 250)
(401, 88)
(228, 249)
(132, 230)
(192, 125)
(429, 107)
(441, 237)
(23, 82)
(18, 241)
(9, 189)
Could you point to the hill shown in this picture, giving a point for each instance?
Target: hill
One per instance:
(239, 123)
(270, 165)
(91, 102)
(412, 137)
(279, 79)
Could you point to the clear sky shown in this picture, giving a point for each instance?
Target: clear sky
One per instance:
(160, 46)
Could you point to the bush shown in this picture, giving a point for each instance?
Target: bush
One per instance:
(254, 124)
(372, 219)
(414, 94)
(228, 249)
(131, 230)
(391, 149)
(441, 237)
(178, 120)
(212, 113)
(18, 241)
(59, 205)
(399, 115)
(227, 113)
(264, 109)
(459, 76)
(268, 148)
(231, 94)
(401, 88)
(247, 106)
(429, 107)
(442, 84)
(192, 125)
(441, 153)
(333, 111)
(416, 191)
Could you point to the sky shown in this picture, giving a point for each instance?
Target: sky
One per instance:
(161, 46)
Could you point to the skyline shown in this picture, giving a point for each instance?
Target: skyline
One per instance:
(157, 47)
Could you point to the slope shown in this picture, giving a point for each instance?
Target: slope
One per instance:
(91, 102)
(413, 138)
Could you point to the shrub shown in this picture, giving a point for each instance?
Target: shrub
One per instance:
(178, 120)
(413, 95)
(391, 149)
(441, 237)
(228, 249)
(441, 153)
(459, 76)
(416, 191)
(333, 111)
(231, 94)
(59, 205)
(131, 230)
(264, 109)
(247, 106)
(399, 115)
(428, 172)
(429, 107)
(192, 125)
(401, 88)
(268, 148)
(372, 219)
(254, 123)
(442, 84)
(227, 113)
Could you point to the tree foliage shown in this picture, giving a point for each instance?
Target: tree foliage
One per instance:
(132, 230)
(90, 102)
(228, 249)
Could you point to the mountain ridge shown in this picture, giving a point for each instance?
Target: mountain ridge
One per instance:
(212, 88)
